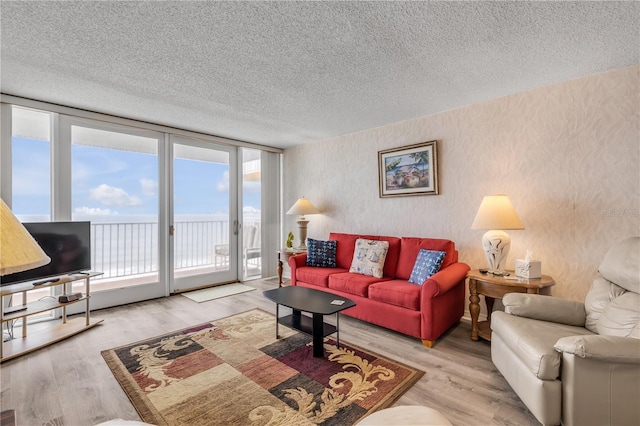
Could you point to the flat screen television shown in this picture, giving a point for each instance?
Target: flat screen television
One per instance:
(68, 244)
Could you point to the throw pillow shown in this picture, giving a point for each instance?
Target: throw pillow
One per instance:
(321, 253)
(369, 257)
(427, 263)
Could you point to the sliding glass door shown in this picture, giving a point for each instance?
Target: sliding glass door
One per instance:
(204, 228)
(114, 180)
(169, 213)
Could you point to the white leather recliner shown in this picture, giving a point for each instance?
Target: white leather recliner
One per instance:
(577, 363)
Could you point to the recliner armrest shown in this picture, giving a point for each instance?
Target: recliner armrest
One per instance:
(545, 308)
(621, 350)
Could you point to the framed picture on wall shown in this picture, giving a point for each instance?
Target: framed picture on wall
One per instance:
(409, 170)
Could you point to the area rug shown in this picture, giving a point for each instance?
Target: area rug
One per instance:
(217, 292)
(233, 371)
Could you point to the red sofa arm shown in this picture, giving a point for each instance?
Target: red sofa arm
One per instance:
(296, 262)
(444, 280)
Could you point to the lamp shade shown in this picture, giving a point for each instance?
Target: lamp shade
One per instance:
(18, 250)
(302, 207)
(496, 212)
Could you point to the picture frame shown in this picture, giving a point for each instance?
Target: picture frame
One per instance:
(409, 170)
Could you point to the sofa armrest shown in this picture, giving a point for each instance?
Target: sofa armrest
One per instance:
(545, 308)
(296, 262)
(616, 349)
(445, 279)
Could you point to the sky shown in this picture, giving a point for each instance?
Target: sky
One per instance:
(111, 183)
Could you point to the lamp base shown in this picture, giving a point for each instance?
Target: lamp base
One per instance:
(302, 233)
(496, 245)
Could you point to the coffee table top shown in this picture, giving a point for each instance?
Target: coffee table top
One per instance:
(308, 299)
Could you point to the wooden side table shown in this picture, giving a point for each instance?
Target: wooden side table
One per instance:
(286, 253)
(494, 287)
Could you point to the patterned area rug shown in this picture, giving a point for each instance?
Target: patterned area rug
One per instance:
(234, 371)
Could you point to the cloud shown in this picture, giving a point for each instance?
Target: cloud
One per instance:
(92, 211)
(223, 185)
(250, 210)
(112, 196)
(148, 187)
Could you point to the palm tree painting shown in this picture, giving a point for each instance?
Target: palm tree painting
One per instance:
(408, 170)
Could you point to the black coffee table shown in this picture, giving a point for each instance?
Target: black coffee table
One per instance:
(316, 302)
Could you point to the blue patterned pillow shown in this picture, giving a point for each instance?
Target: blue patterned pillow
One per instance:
(427, 264)
(321, 253)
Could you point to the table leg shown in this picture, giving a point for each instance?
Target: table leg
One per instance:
(474, 308)
(277, 319)
(489, 302)
(296, 317)
(318, 328)
(279, 271)
(337, 330)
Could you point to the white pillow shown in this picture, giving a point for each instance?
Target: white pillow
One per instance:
(369, 257)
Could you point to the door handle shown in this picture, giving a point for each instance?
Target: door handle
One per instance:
(172, 230)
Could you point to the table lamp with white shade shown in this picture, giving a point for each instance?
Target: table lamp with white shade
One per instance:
(302, 207)
(496, 213)
(18, 250)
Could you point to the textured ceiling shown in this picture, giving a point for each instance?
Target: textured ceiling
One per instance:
(287, 73)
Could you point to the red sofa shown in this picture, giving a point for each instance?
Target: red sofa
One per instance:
(425, 311)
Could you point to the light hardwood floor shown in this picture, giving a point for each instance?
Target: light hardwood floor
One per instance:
(69, 383)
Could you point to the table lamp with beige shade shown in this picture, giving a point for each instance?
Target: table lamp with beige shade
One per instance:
(302, 207)
(496, 213)
(18, 250)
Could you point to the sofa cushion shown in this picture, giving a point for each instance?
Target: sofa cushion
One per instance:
(316, 276)
(396, 292)
(352, 283)
(427, 264)
(533, 341)
(410, 247)
(346, 244)
(369, 257)
(321, 253)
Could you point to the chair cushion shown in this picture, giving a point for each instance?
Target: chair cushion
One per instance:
(621, 264)
(533, 341)
(396, 292)
(601, 293)
(621, 317)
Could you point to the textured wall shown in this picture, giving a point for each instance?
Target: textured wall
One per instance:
(567, 155)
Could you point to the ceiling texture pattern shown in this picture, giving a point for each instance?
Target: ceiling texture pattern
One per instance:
(287, 73)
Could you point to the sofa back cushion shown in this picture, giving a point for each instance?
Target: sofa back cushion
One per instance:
(410, 247)
(391, 263)
(347, 244)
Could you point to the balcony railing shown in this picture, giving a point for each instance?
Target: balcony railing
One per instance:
(126, 249)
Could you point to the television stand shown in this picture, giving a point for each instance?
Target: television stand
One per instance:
(50, 333)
